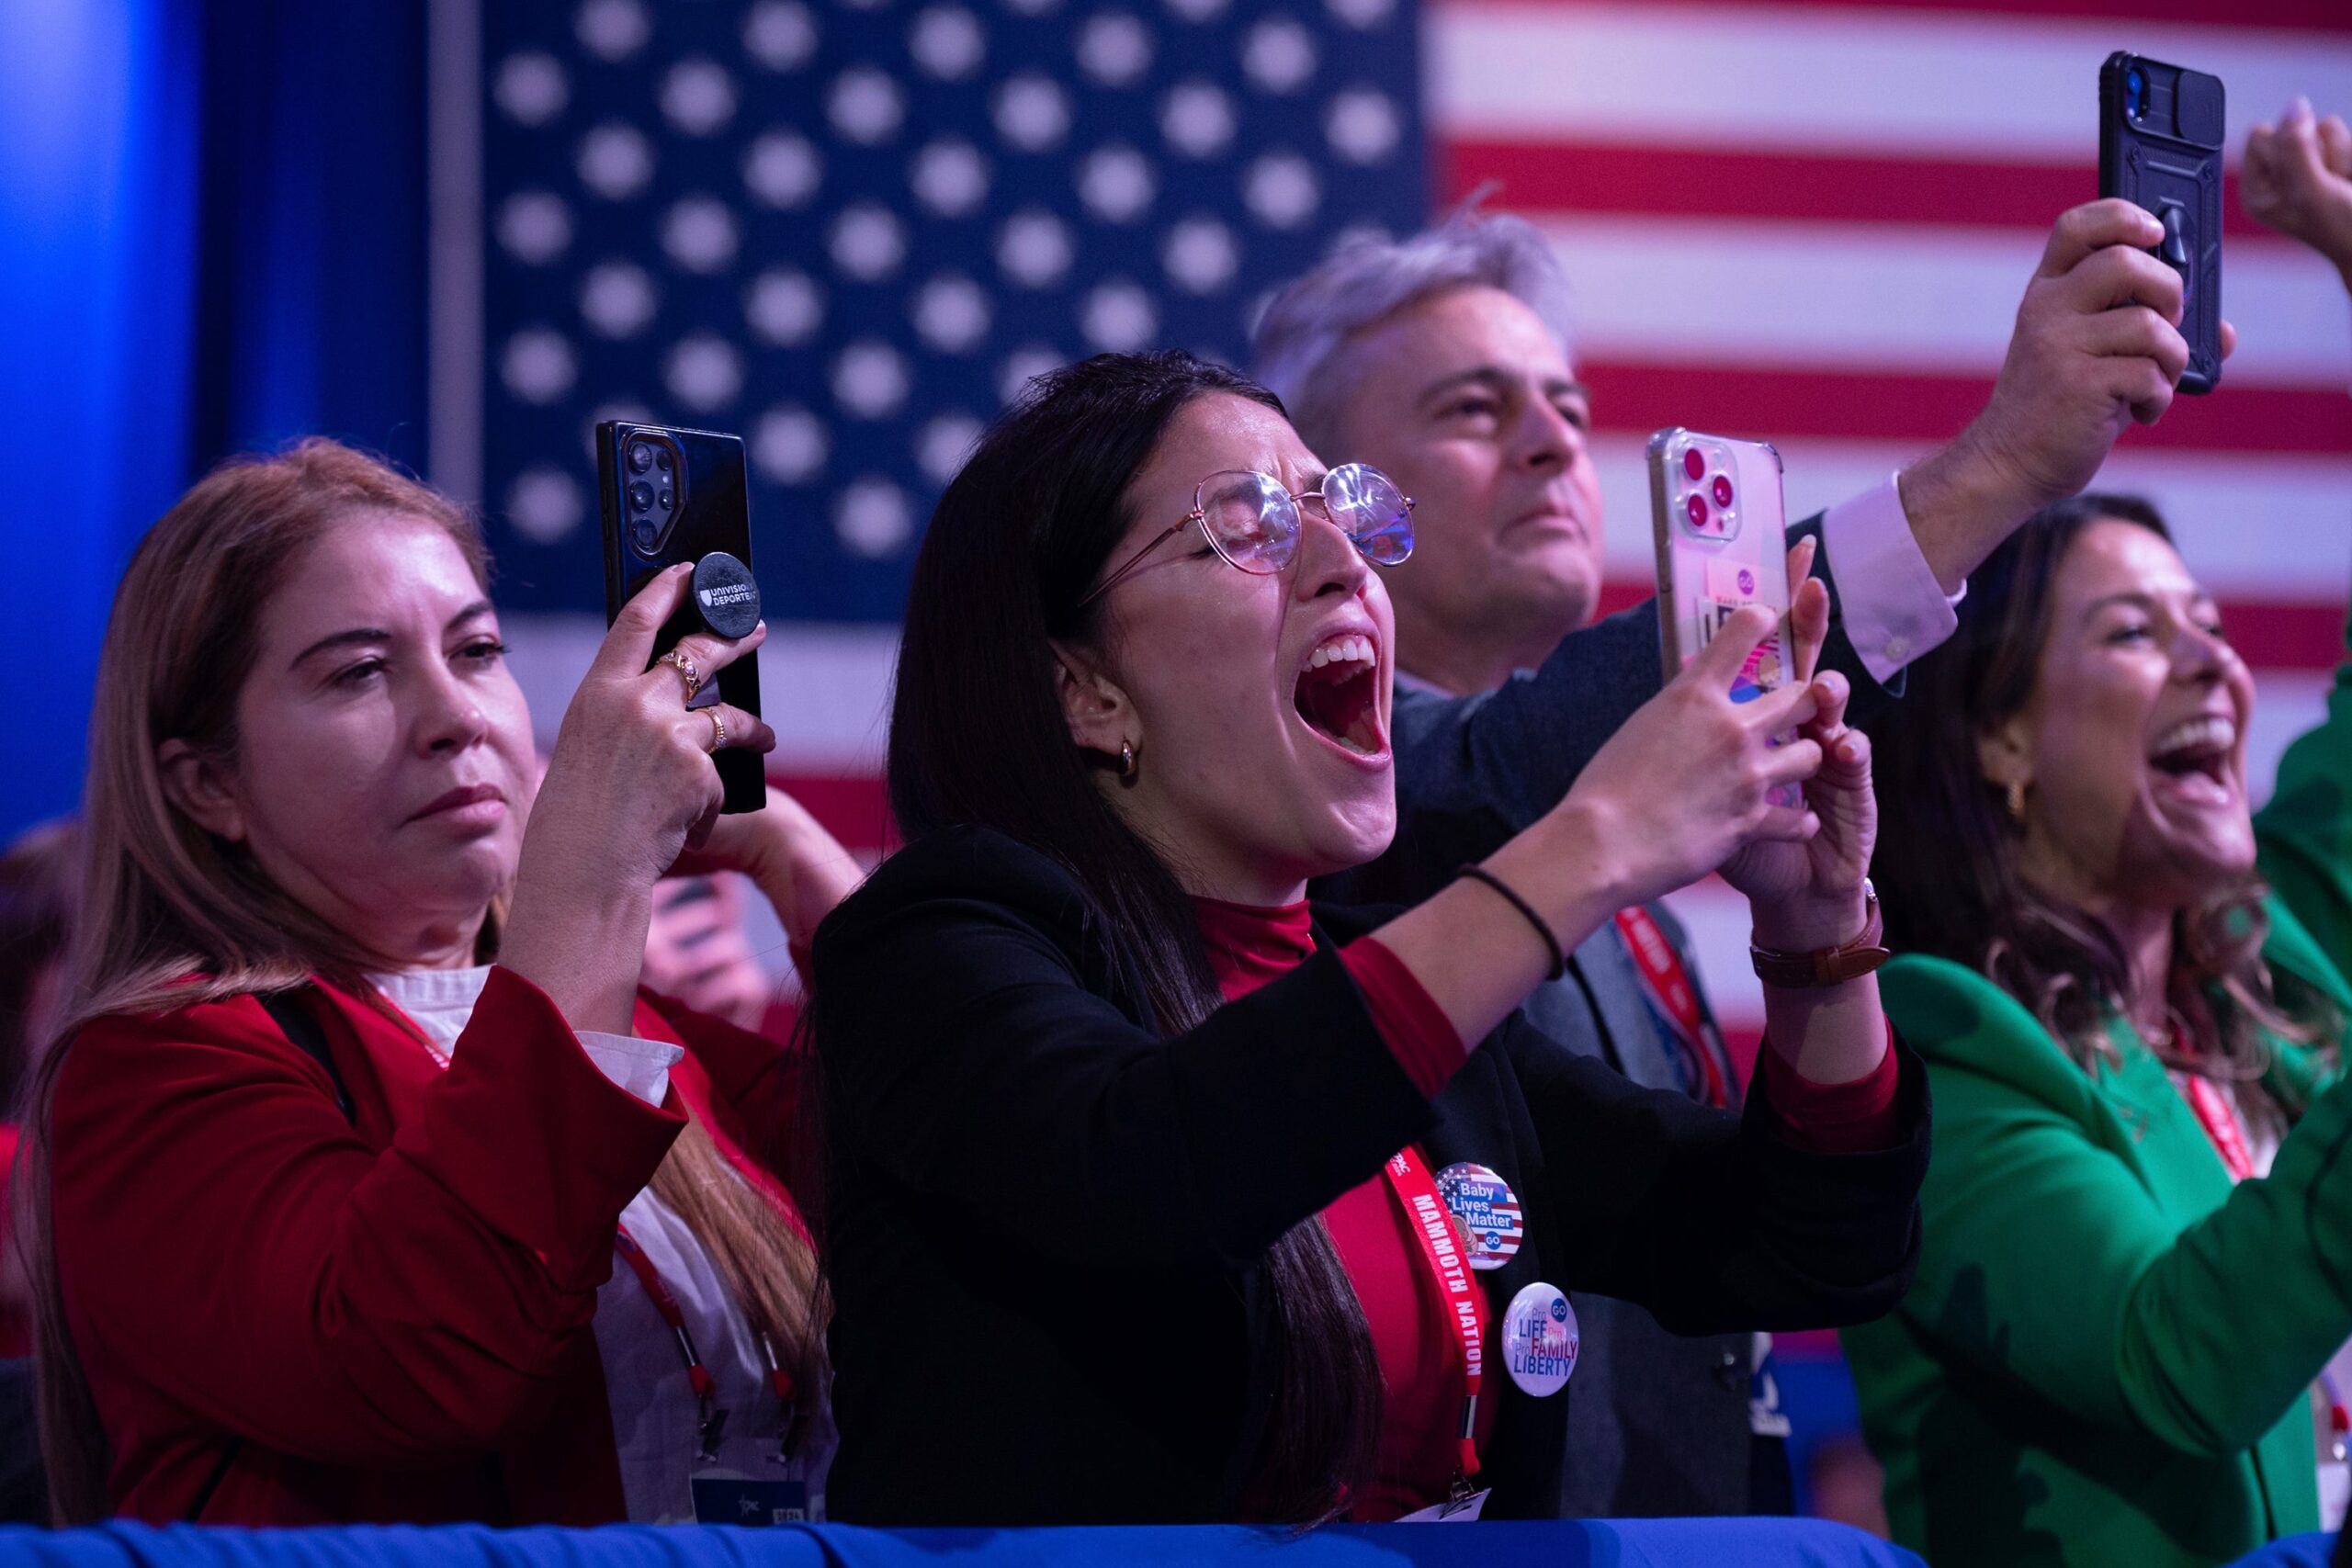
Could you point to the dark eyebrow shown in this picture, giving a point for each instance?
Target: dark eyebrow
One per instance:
(1494, 376)
(361, 635)
(2138, 600)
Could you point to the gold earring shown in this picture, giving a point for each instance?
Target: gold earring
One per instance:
(1126, 759)
(2016, 800)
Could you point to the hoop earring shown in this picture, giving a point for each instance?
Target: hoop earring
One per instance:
(1127, 761)
(2016, 801)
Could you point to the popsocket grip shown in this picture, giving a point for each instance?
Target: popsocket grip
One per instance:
(726, 596)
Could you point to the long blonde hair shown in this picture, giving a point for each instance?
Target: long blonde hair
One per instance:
(173, 916)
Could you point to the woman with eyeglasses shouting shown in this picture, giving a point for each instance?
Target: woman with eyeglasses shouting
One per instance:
(1154, 1194)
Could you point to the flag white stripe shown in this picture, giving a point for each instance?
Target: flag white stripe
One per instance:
(2266, 527)
(1719, 291)
(1900, 82)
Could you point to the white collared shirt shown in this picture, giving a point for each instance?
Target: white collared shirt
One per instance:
(653, 1406)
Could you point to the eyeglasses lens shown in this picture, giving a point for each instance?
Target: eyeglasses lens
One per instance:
(1372, 510)
(1252, 520)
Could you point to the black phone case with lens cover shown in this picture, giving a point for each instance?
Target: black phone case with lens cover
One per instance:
(692, 497)
(2160, 131)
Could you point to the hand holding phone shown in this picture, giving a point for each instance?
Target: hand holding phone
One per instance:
(670, 495)
(2160, 130)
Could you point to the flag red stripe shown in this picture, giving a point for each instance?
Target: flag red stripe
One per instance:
(1557, 175)
(1863, 405)
(2313, 16)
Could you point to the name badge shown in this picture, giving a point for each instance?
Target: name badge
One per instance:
(1486, 1213)
(1540, 1340)
(1462, 1510)
(727, 1499)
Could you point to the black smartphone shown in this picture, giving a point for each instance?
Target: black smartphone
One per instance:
(670, 495)
(2160, 147)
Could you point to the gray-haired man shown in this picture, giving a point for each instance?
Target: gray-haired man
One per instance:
(1445, 361)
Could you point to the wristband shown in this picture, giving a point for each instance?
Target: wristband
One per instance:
(1551, 942)
(1827, 965)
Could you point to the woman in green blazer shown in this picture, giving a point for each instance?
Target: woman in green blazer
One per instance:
(2138, 1250)
(2139, 1211)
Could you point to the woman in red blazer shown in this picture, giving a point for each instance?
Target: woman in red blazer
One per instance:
(332, 1217)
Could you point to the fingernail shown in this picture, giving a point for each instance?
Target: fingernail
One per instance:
(2300, 109)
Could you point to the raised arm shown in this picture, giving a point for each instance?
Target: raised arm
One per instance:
(2298, 179)
(968, 1059)
(1716, 1220)
(226, 1238)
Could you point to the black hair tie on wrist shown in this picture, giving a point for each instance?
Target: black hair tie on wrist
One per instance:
(1551, 942)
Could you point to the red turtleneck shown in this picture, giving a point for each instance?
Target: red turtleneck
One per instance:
(1248, 946)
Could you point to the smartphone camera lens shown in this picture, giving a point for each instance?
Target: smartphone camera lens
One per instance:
(640, 495)
(1694, 465)
(1723, 490)
(2135, 93)
(640, 457)
(669, 500)
(661, 459)
(646, 534)
(1695, 508)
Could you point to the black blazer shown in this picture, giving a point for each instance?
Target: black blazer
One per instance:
(1045, 1222)
(1661, 1421)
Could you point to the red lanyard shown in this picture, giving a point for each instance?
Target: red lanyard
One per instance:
(1434, 1228)
(2219, 1123)
(705, 1386)
(708, 1420)
(1676, 1001)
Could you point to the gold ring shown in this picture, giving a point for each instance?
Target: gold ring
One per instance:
(718, 730)
(684, 665)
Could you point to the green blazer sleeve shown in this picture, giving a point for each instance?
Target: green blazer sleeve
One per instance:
(2305, 832)
(2086, 1244)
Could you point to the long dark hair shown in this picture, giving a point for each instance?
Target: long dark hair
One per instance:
(978, 737)
(1947, 859)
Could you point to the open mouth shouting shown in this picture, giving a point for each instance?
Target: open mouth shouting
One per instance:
(1337, 695)
(2195, 761)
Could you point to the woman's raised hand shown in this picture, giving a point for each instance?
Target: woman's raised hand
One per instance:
(2297, 178)
(1807, 895)
(1690, 778)
(788, 855)
(629, 787)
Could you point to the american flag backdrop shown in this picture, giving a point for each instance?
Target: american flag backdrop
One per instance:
(847, 230)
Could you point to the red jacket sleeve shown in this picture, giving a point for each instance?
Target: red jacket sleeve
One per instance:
(225, 1239)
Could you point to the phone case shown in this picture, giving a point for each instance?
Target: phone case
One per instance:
(695, 500)
(2160, 132)
(1722, 545)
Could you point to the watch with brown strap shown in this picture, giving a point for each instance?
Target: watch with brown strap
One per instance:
(1827, 965)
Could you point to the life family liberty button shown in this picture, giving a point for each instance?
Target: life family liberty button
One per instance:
(1540, 1340)
(1486, 1213)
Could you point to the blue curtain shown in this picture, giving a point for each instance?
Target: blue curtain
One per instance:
(212, 239)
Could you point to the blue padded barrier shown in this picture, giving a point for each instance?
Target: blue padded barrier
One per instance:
(1639, 1543)
(2314, 1550)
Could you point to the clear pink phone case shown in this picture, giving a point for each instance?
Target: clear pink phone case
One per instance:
(1722, 545)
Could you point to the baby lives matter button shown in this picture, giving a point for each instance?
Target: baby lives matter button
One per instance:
(1540, 1340)
(1486, 1213)
(725, 595)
